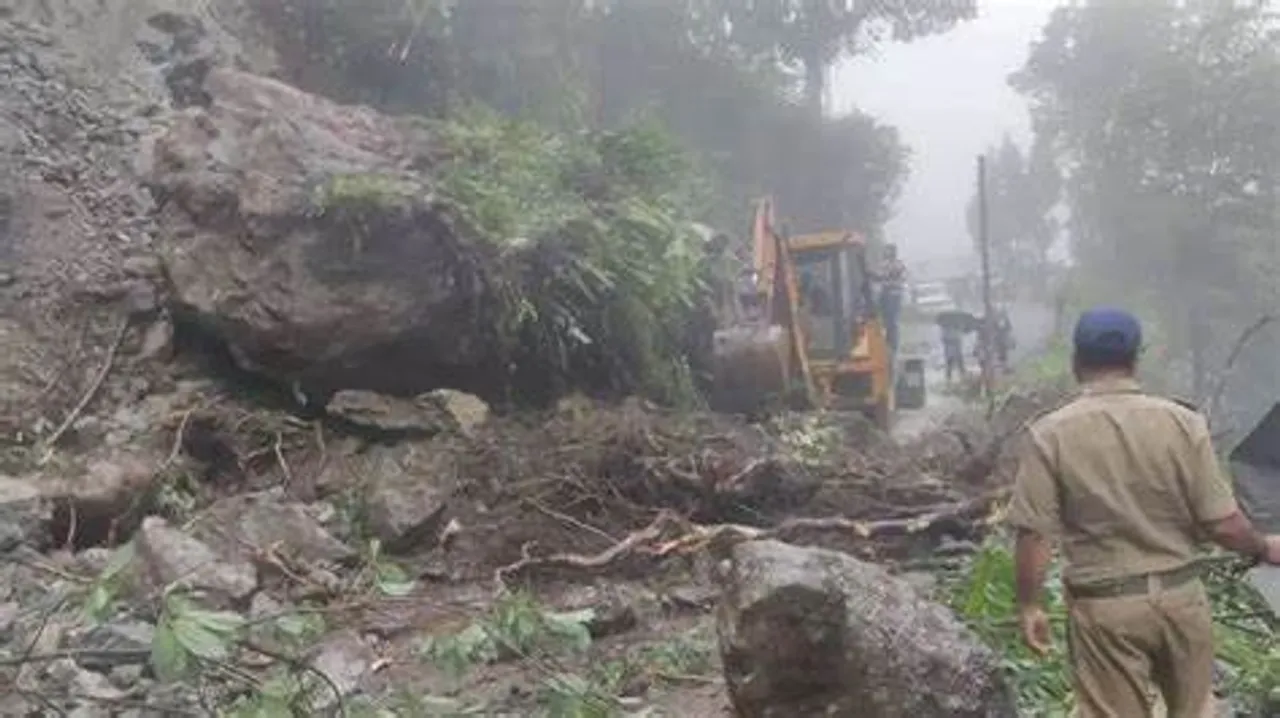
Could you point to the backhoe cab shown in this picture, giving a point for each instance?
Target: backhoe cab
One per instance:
(815, 339)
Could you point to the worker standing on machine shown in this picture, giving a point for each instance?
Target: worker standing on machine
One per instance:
(1127, 485)
(893, 282)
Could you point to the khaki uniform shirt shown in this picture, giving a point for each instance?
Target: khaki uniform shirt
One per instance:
(1124, 481)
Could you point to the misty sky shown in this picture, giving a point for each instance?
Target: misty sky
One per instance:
(949, 98)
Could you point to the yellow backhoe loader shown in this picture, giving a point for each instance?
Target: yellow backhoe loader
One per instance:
(804, 329)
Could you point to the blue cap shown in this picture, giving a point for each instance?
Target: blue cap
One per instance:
(1105, 334)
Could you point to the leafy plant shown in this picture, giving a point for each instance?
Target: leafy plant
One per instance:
(985, 599)
(568, 695)
(516, 627)
(186, 634)
(383, 574)
(105, 590)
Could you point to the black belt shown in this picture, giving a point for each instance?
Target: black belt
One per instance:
(1136, 585)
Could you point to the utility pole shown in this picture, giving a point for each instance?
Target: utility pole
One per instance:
(988, 316)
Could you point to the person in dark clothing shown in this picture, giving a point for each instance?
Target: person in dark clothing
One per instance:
(1003, 338)
(953, 349)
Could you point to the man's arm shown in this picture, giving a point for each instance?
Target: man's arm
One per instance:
(1032, 555)
(1236, 533)
(1034, 512)
(1214, 506)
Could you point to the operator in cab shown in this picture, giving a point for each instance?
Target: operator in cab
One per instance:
(1127, 485)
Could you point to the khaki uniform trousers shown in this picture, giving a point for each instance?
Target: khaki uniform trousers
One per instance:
(1128, 652)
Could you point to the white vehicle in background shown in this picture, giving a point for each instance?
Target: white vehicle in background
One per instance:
(929, 298)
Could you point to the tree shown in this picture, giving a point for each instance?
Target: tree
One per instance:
(1160, 114)
(810, 35)
(580, 65)
(1021, 195)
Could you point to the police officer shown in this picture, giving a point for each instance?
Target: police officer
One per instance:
(1125, 484)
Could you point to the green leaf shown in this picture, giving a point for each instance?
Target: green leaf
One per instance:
(223, 622)
(169, 660)
(119, 561)
(200, 641)
(98, 603)
(572, 626)
(393, 580)
(299, 625)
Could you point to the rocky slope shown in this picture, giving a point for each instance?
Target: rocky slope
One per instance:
(179, 540)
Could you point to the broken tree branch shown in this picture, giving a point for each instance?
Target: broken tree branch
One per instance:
(985, 510)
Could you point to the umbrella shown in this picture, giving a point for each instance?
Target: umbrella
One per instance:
(956, 319)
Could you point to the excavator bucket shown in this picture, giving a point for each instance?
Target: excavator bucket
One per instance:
(1255, 464)
(751, 367)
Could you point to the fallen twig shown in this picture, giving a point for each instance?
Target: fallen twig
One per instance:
(633, 542)
(89, 394)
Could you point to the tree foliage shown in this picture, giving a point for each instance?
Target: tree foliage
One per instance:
(808, 36)
(1161, 115)
(1022, 193)
(575, 65)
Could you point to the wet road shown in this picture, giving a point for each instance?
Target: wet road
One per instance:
(1032, 328)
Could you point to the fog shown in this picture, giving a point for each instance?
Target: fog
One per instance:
(949, 97)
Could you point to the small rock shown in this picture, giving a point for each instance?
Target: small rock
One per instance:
(239, 521)
(8, 616)
(406, 510)
(168, 555)
(692, 597)
(157, 341)
(263, 606)
(126, 677)
(24, 515)
(385, 414)
(82, 682)
(467, 411)
(345, 659)
(134, 636)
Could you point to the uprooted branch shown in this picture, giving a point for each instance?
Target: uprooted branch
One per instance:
(983, 511)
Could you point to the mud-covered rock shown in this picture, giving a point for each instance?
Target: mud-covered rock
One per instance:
(405, 506)
(345, 659)
(24, 515)
(466, 411)
(241, 523)
(386, 416)
(169, 556)
(108, 645)
(809, 632)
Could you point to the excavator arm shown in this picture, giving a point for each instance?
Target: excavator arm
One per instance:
(756, 357)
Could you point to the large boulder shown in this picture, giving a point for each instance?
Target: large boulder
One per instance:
(303, 234)
(809, 632)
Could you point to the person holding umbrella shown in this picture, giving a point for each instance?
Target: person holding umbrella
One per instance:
(954, 325)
